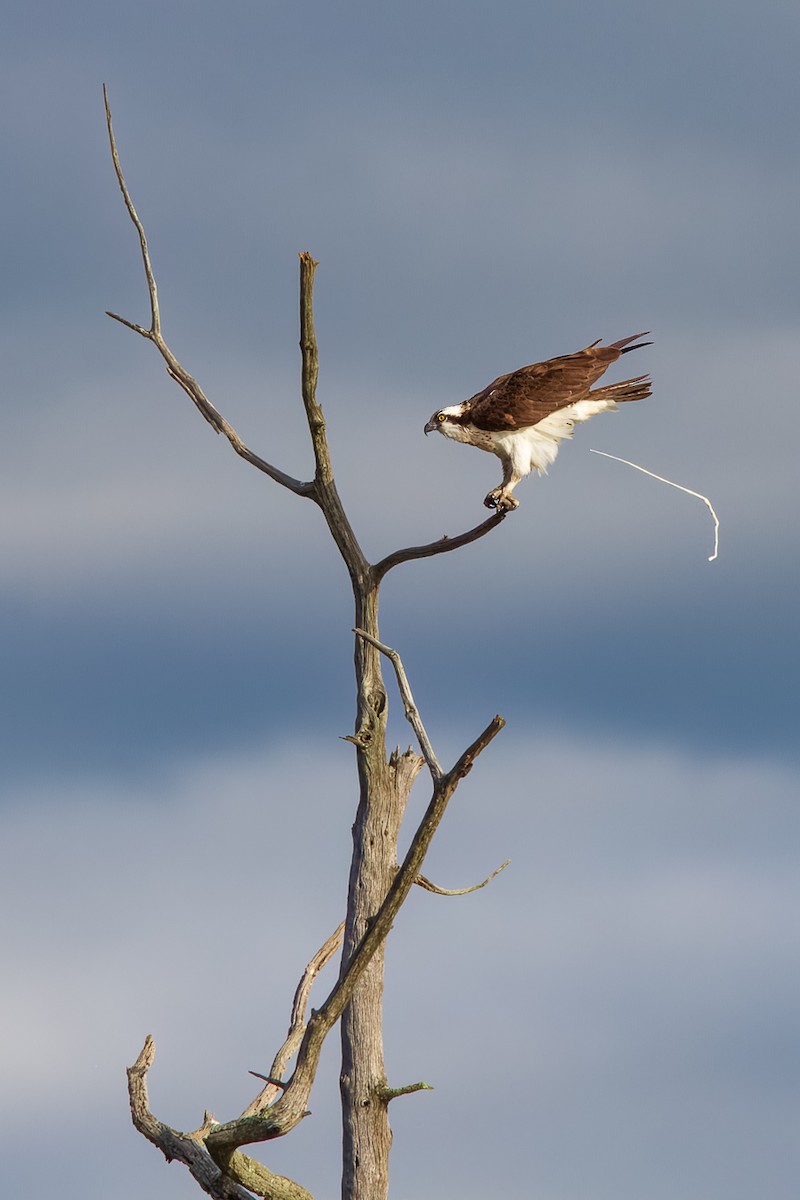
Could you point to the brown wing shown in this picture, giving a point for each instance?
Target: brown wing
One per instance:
(532, 393)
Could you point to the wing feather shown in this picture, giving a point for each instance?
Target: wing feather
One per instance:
(527, 396)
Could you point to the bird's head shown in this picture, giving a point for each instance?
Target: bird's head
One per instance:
(445, 420)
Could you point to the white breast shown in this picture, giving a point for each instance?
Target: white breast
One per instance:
(535, 448)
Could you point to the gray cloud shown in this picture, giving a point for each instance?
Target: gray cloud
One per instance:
(628, 982)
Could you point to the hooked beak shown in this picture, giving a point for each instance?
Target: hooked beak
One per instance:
(430, 426)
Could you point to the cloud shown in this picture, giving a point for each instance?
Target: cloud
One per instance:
(622, 973)
(145, 564)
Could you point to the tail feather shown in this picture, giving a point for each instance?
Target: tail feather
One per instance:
(624, 344)
(630, 389)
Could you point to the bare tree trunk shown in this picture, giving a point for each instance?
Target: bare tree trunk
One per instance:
(367, 1137)
(377, 886)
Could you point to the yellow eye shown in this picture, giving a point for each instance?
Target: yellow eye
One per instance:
(440, 417)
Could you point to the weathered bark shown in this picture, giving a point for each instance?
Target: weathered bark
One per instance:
(366, 1136)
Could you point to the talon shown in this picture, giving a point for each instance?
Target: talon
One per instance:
(502, 501)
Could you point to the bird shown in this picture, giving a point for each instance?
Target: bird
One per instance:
(523, 416)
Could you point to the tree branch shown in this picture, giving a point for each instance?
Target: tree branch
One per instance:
(387, 1094)
(297, 1025)
(174, 368)
(443, 546)
(411, 710)
(257, 1178)
(310, 373)
(290, 1108)
(219, 1172)
(172, 1144)
(325, 492)
(422, 882)
(155, 319)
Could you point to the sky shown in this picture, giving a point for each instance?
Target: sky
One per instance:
(484, 185)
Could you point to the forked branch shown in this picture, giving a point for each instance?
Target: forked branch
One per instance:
(415, 720)
(297, 1025)
(173, 1145)
(322, 488)
(220, 1176)
(218, 1170)
(410, 708)
(290, 1108)
(174, 368)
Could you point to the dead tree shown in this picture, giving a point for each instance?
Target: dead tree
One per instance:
(377, 886)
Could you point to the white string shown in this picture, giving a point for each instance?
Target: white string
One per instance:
(680, 488)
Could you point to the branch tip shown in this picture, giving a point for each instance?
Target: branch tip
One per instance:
(423, 882)
(146, 333)
(465, 762)
(388, 1094)
(155, 319)
(146, 1056)
(278, 1083)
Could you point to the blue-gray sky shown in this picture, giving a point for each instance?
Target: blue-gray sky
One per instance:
(484, 185)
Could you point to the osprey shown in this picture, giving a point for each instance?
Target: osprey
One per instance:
(523, 416)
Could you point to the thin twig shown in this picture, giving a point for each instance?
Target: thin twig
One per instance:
(411, 710)
(680, 488)
(155, 318)
(422, 882)
(174, 368)
(389, 1093)
(278, 1083)
(443, 546)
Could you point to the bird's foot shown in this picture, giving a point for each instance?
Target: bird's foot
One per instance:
(502, 500)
